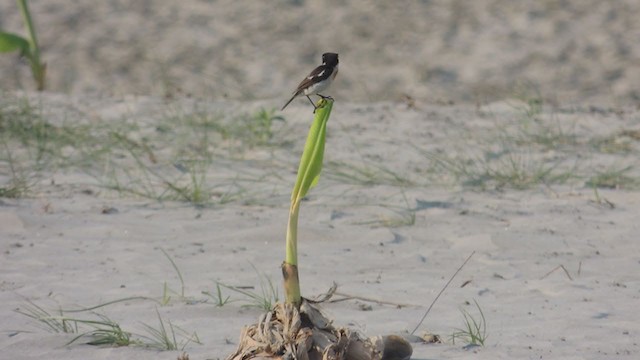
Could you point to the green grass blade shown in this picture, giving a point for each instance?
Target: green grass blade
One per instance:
(131, 298)
(175, 267)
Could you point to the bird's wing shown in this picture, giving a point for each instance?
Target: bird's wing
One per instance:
(318, 74)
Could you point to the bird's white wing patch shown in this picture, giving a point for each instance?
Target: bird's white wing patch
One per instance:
(316, 75)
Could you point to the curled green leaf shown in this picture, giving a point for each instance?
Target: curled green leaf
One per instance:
(12, 42)
(313, 154)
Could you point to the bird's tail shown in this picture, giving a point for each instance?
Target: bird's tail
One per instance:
(290, 100)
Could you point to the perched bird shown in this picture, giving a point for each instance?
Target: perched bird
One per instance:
(318, 80)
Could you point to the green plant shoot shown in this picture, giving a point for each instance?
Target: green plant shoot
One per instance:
(28, 47)
(308, 175)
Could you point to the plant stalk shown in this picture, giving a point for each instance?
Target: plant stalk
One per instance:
(290, 265)
(38, 69)
(308, 174)
(292, 234)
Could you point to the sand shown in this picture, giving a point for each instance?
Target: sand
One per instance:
(72, 243)
(508, 130)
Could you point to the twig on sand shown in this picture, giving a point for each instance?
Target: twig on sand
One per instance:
(441, 291)
(327, 297)
(362, 298)
(556, 268)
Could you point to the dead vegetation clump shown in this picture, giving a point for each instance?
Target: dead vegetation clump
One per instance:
(287, 332)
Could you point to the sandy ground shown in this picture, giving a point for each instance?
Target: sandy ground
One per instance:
(60, 248)
(506, 128)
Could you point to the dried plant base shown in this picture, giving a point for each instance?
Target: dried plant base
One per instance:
(286, 333)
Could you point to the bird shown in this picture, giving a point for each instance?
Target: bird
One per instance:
(318, 80)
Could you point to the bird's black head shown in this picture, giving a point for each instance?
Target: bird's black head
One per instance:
(330, 59)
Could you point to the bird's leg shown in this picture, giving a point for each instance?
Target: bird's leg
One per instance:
(312, 104)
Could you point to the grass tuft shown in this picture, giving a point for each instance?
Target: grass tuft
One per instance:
(53, 323)
(132, 158)
(18, 185)
(219, 298)
(474, 331)
(257, 129)
(365, 174)
(168, 336)
(100, 330)
(503, 170)
(403, 216)
(105, 332)
(166, 297)
(614, 178)
(263, 300)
